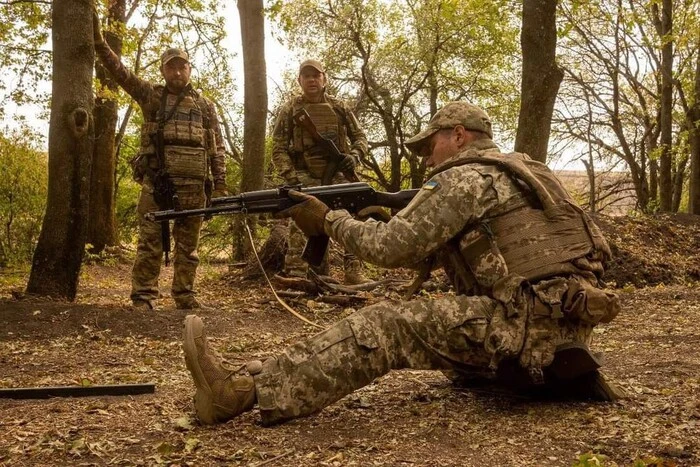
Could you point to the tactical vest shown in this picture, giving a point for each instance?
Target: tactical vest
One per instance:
(541, 234)
(330, 121)
(187, 136)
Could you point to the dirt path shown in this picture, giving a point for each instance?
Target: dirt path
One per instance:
(405, 418)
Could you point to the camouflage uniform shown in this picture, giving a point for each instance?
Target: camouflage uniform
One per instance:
(297, 158)
(517, 315)
(193, 147)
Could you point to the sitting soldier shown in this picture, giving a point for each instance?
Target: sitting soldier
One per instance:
(524, 259)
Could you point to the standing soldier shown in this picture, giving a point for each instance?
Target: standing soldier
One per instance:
(181, 143)
(299, 158)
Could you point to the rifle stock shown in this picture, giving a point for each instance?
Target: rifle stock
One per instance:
(352, 197)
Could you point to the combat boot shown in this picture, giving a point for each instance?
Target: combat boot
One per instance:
(187, 302)
(221, 392)
(141, 305)
(353, 271)
(295, 272)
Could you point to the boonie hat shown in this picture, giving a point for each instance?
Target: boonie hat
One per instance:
(452, 114)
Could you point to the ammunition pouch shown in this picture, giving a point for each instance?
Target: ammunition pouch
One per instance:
(184, 133)
(186, 162)
(588, 304)
(576, 300)
(506, 331)
(190, 193)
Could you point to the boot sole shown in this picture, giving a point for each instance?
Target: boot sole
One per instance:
(203, 401)
(572, 360)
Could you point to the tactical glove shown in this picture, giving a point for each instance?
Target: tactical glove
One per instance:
(309, 213)
(347, 164)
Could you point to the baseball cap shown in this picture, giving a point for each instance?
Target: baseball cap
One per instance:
(173, 53)
(313, 64)
(450, 115)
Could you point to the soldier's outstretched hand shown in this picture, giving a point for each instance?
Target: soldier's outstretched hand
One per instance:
(309, 213)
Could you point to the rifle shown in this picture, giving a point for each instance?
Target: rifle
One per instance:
(164, 193)
(335, 157)
(350, 196)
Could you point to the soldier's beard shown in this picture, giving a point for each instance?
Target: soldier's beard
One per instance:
(177, 84)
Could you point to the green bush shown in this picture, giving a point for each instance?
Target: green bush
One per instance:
(23, 191)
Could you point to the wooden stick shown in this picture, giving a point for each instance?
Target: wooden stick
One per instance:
(272, 459)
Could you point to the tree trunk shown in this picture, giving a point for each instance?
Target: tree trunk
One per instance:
(664, 27)
(59, 251)
(694, 138)
(102, 225)
(677, 179)
(254, 101)
(541, 77)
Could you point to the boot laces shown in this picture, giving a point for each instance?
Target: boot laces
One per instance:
(225, 363)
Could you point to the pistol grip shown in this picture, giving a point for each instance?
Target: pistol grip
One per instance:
(315, 250)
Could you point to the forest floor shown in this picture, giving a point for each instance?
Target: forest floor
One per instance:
(405, 418)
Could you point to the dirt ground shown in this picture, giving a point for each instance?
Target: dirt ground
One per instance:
(405, 418)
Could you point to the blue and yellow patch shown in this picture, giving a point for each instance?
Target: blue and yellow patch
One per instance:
(431, 185)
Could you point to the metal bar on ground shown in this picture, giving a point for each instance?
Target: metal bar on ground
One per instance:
(77, 391)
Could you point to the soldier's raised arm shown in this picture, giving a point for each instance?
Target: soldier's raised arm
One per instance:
(136, 87)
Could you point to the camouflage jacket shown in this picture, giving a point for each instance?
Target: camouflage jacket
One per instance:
(471, 208)
(148, 97)
(283, 154)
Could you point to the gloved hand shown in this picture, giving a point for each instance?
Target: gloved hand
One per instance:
(96, 30)
(220, 190)
(347, 164)
(309, 213)
(377, 213)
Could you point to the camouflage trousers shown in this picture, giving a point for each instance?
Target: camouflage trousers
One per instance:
(296, 240)
(149, 253)
(451, 333)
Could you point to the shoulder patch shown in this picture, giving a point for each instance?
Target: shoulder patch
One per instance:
(431, 185)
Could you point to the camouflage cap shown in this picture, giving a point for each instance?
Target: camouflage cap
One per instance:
(173, 53)
(452, 114)
(315, 64)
